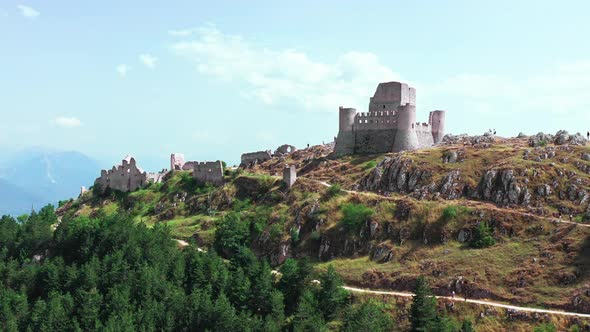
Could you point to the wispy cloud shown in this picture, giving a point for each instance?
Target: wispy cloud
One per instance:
(181, 32)
(28, 12)
(284, 76)
(148, 60)
(562, 90)
(67, 122)
(122, 69)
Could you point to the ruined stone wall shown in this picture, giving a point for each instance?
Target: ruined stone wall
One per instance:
(209, 172)
(289, 175)
(156, 177)
(189, 165)
(176, 161)
(124, 177)
(424, 134)
(259, 156)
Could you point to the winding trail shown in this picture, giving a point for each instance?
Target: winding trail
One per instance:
(481, 302)
(460, 299)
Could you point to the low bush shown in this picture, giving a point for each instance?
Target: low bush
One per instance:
(482, 236)
(355, 216)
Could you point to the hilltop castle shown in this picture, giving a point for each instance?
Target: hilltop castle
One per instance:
(390, 125)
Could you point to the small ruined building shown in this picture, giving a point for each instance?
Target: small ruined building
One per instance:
(206, 172)
(209, 172)
(289, 176)
(127, 176)
(251, 158)
(389, 125)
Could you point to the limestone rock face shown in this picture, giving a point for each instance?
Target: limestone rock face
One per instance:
(501, 187)
(450, 157)
(395, 174)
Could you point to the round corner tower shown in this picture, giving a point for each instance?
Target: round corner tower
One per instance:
(405, 137)
(346, 118)
(345, 140)
(437, 123)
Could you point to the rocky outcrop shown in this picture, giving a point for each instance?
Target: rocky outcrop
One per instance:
(502, 188)
(465, 139)
(395, 174)
(560, 138)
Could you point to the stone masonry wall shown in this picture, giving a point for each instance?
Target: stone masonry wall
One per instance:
(209, 172)
(251, 157)
(124, 177)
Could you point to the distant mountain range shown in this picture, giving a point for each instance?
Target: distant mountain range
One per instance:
(36, 177)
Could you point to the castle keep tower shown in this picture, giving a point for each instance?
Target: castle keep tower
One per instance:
(389, 125)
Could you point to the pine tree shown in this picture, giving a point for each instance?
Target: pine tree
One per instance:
(482, 236)
(332, 296)
(423, 310)
(467, 326)
(308, 317)
(369, 316)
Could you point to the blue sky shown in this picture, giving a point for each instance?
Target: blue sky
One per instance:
(215, 79)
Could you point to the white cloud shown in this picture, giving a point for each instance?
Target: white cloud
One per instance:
(67, 122)
(284, 76)
(560, 90)
(181, 33)
(148, 60)
(28, 12)
(122, 69)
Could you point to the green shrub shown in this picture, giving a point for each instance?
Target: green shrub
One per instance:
(294, 236)
(482, 236)
(333, 191)
(355, 216)
(275, 232)
(315, 235)
(545, 327)
(369, 165)
(450, 212)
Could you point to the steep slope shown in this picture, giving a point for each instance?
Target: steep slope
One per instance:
(403, 215)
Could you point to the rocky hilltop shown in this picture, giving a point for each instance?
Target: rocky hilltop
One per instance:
(383, 220)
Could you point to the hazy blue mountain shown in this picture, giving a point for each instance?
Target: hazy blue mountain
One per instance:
(15, 201)
(42, 176)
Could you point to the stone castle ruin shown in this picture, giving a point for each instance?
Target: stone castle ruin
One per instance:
(389, 125)
(251, 158)
(206, 172)
(127, 176)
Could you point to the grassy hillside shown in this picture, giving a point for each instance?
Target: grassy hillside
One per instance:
(385, 239)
